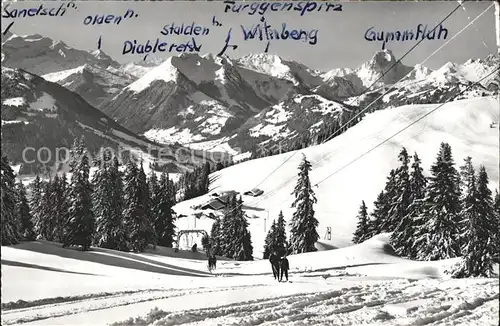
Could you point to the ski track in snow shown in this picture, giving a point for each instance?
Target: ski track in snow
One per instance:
(355, 302)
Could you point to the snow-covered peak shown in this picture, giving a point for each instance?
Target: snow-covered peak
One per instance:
(55, 44)
(100, 54)
(383, 68)
(200, 69)
(419, 72)
(135, 69)
(337, 72)
(60, 75)
(266, 63)
(166, 72)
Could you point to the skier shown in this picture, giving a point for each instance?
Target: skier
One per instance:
(284, 268)
(214, 262)
(274, 260)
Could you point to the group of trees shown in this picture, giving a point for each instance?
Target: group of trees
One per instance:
(276, 238)
(116, 210)
(230, 236)
(448, 214)
(195, 183)
(303, 225)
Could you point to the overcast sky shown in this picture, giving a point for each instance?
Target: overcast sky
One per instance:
(340, 36)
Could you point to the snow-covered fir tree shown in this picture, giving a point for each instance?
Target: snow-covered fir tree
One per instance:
(22, 210)
(135, 212)
(161, 209)
(243, 249)
(10, 233)
(362, 229)
(226, 230)
(441, 210)
(60, 208)
(107, 204)
(496, 209)
(403, 238)
(280, 244)
(377, 215)
(34, 201)
(486, 207)
(479, 214)
(215, 238)
(117, 205)
(269, 241)
(146, 197)
(384, 223)
(80, 227)
(303, 233)
(468, 198)
(400, 200)
(47, 221)
(418, 188)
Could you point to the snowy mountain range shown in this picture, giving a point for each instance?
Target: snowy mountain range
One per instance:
(235, 105)
(37, 113)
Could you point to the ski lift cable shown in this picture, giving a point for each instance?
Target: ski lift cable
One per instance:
(425, 60)
(365, 91)
(416, 82)
(369, 105)
(408, 126)
(468, 17)
(389, 138)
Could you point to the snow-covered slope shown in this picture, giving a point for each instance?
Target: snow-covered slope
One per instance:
(464, 124)
(95, 84)
(44, 284)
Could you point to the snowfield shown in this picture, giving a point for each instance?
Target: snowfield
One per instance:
(44, 284)
(344, 181)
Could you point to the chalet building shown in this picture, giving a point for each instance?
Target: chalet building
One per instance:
(219, 200)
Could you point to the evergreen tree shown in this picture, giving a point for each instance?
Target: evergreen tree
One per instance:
(404, 238)
(226, 232)
(80, 226)
(377, 216)
(468, 200)
(108, 204)
(486, 208)
(480, 246)
(10, 233)
(362, 231)
(47, 221)
(280, 244)
(60, 208)
(146, 198)
(135, 209)
(441, 210)
(496, 209)
(117, 205)
(23, 214)
(215, 238)
(243, 249)
(161, 211)
(35, 200)
(400, 200)
(303, 233)
(269, 241)
(385, 224)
